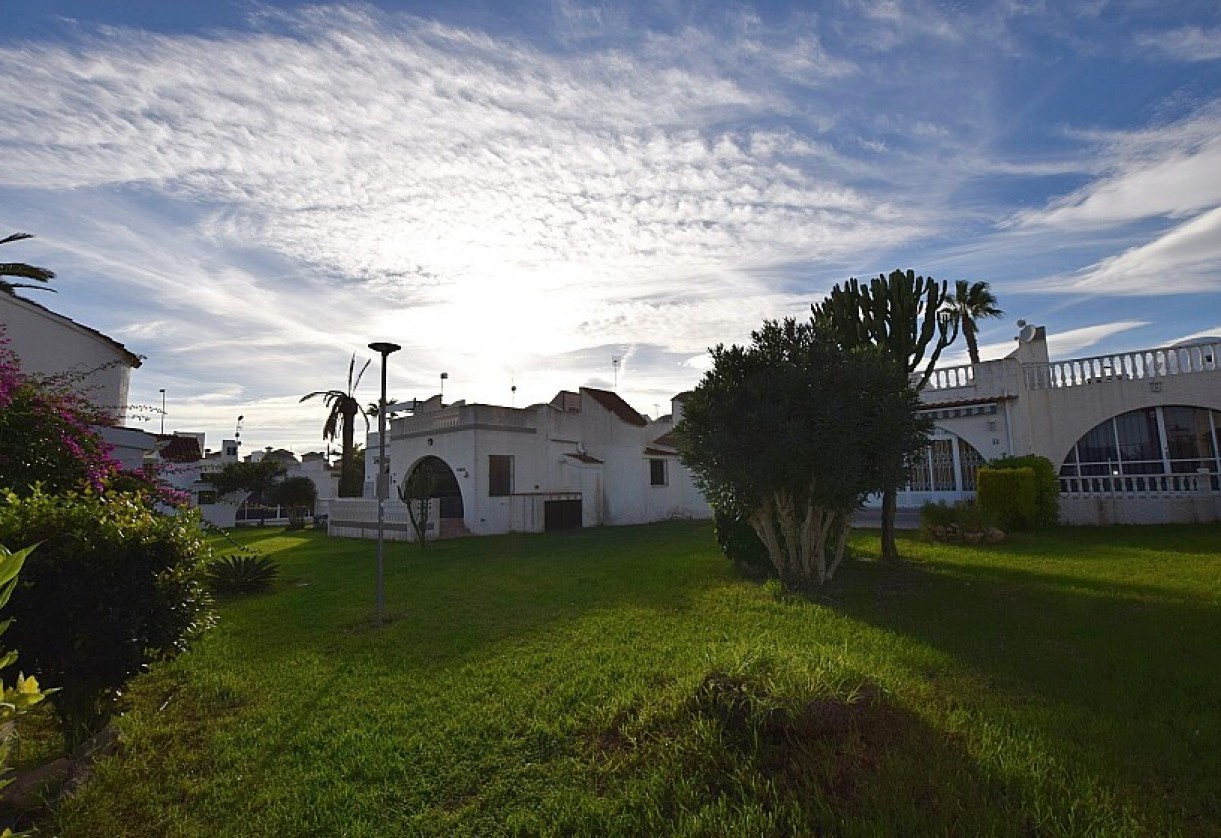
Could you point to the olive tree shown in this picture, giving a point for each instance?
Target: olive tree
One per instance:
(791, 433)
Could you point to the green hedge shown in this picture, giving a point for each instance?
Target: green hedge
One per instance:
(1046, 486)
(1009, 496)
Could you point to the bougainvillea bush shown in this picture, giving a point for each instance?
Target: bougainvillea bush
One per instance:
(48, 439)
(45, 434)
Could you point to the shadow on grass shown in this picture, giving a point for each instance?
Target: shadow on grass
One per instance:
(460, 597)
(739, 758)
(1125, 679)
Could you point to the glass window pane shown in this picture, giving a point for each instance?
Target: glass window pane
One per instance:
(1188, 435)
(1138, 436)
(1098, 446)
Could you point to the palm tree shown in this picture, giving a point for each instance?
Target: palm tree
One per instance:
(341, 421)
(22, 270)
(969, 303)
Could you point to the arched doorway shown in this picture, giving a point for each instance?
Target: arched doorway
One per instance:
(944, 471)
(441, 484)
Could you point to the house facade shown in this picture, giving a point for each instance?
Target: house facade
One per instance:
(1135, 436)
(584, 459)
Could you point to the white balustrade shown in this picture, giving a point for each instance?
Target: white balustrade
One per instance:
(1141, 364)
(950, 378)
(1139, 485)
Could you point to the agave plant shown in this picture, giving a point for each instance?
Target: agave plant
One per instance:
(242, 573)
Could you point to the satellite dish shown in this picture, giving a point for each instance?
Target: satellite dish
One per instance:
(1027, 333)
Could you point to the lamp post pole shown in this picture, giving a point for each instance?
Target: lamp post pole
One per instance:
(383, 480)
(163, 411)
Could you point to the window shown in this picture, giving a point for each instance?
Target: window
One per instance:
(500, 475)
(657, 473)
(207, 496)
(1147, 443)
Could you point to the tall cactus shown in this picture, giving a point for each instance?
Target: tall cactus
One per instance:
(903, 315)
(900, 313)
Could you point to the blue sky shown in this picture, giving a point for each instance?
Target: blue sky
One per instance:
(246, 193)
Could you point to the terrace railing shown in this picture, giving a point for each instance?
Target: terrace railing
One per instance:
(1141, 364)
(1149, 485)
(950, 378)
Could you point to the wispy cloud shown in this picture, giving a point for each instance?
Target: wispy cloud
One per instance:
(247, 207)
(1182, 261)
(1188, 43)
(1168, 171)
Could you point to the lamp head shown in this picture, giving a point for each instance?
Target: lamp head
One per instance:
(384, 347)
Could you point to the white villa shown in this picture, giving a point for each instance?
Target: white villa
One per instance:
(584, 459)
(1136, 437)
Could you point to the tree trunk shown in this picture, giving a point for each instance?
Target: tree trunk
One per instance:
(968, 332)
(346, 477)
(890, 506)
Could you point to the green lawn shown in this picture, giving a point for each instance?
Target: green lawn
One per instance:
(625, 681)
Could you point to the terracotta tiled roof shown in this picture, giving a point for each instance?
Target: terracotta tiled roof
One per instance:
(179, 449)
(613, 403)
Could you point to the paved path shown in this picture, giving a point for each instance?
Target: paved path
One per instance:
(906, 518)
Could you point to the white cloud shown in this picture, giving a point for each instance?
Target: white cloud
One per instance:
(1070, 343)
(1185, 260)
(1170, 173)
(1189, 43)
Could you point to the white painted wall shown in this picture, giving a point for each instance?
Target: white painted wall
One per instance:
(50, 344)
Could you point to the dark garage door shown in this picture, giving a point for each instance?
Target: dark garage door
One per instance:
(561, 515)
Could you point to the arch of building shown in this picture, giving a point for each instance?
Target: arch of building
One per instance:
(1077, 410)
(448, 491)
(1139, 446)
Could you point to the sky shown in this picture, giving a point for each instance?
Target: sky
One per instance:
(548, 195)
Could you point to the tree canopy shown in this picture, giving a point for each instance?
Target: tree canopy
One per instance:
(970, 303)
(792, 432)
(344, 407)
(22, 270)
(904, 316)
(256, 478)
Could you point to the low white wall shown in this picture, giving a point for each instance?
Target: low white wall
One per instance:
(1104, 510)
(357, 518)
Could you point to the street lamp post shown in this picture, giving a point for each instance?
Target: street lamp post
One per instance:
(383, 480)
(163, 411)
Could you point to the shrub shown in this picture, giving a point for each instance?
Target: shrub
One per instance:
(25, 692)
(242, 573)
(940, 514)
(741, 545)
(1008, 495)
(958, 522)
(120, 584)
(1046, 486)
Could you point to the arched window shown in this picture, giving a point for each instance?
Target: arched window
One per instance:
(1134, 448)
